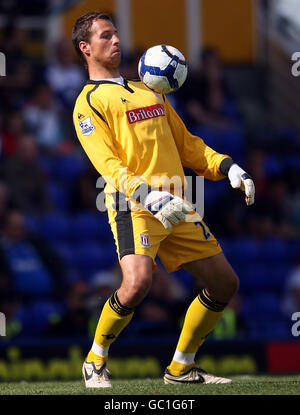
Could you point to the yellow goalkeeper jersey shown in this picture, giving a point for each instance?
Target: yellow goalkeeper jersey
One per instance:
(133, 135)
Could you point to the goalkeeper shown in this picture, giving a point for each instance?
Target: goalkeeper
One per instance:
(138, 143)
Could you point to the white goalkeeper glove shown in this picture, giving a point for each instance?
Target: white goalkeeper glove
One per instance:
(167, 208)
(240, 179)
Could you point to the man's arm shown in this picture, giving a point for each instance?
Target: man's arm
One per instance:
(194, 153)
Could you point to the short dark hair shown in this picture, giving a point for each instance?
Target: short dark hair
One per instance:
(82, 29)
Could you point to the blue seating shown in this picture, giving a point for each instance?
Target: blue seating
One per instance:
(262, 306)
(293, 161)
(109, 258)
(229, 141)
(91, 257)
(244, 249)
(276, 252)
(59, 195)
(274, 165)
(55, 226)
(32, 224)
(65, 251)
(186, 279)
(272, 330)
(272, 249)
(258, 277)
(263, 317)
(63, 167)
(292, 252)
(69, 167)
(213, 191)
(253, 278)
(35, 316)
(92, 226)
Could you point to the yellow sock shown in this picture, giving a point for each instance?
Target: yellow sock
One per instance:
(201, 317)
(113, 319)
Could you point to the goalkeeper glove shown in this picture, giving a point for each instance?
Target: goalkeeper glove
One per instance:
(167, 208)
(240, 179)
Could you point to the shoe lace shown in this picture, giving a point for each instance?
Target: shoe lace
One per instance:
(101, 371)
(200, 370)
(196, 371)
(103, 374)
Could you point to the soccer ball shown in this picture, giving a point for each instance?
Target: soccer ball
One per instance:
(163, 69)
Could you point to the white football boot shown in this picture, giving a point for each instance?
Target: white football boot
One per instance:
(194, 375)
(96, 375)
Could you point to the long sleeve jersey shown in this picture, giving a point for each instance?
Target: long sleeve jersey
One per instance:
(133, 135)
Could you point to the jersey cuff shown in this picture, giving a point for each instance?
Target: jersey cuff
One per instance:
(225, 165)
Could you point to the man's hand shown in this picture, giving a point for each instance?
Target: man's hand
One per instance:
(240, 179)
(167, 208)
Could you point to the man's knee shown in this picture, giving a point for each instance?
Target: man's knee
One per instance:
(232, 284)
(217, 275)
(138, 285)
(137, 280)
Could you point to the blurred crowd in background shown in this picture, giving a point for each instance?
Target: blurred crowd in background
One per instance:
(57, 255)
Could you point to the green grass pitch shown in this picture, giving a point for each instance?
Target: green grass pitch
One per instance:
(241, 385)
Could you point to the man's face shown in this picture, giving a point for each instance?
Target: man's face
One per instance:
(103, 46)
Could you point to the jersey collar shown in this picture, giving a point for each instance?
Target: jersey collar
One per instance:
(103, 81)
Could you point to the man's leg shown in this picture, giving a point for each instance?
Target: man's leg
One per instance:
(119, 308)
(205, 311)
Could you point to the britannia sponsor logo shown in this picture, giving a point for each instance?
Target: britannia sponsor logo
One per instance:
(145, 113)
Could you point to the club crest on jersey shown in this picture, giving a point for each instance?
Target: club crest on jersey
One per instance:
(145, 113)
(144, 240)
(86, 126)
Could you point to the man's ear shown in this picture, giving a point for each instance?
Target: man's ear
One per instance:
(84, 47)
